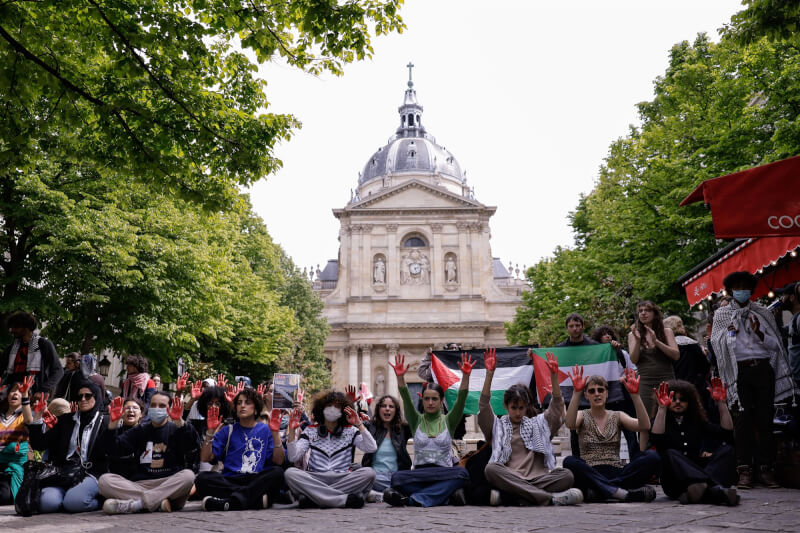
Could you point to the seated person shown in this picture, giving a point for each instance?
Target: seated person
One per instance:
(434, 480)
(329, 482)
(13, 441)
(250, 452)
(391, 434)
(163, 478)
(693, 473)
(522, 461)
(599, 472)
(128, 463)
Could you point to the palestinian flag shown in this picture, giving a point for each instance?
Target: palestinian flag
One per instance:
(513, 366)
(596, 359)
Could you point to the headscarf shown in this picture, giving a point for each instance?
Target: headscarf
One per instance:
(86, 423)
(135, 385)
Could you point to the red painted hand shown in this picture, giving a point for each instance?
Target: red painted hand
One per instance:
(300, 395)
(352, 416)
(40, 403)
(230, 393)
(664, 395)
(49, 419)
(239, 387)
(576, 375)
(490, 359)
(294, 419)
(350, 392)
(176, 410)
(718, 390)
(466, 364)
(197, 390)
(221, 380)
(364, 417)
(27, 383)
(552, 362)
(261, 389)
(115, 409)
(275, 420)
(73, 407)
(213, 418)
(631, 381)
(182, 381)
(400, 367)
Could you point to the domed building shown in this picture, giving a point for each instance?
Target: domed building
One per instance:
(415, 269)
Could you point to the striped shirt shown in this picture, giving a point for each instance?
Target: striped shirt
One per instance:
(330, 452)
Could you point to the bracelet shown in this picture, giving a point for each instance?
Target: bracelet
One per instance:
(26, 401)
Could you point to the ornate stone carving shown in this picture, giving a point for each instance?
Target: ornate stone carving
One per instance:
(379, 271)
(380, 384)
(450, 269)
(463, 226)
(415, 268)
(436, 228)
(391, 227)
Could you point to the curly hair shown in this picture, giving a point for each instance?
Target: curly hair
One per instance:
(397, 420)
(326, 398)
(522, 394)
(250, 394)
(138, 362)
(694, 409)
(598, 333)
(658, 321)
(210, 394)
(21, 319)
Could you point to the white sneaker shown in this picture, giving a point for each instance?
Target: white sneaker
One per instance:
(494, 498)
(113, 506)
(374, 497)
(568, 497)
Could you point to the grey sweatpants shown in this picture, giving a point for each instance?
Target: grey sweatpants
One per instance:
(152, 492)
(330, 489)
(538, 490)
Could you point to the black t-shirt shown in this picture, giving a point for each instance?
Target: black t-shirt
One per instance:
(585, 342)
(159, 451)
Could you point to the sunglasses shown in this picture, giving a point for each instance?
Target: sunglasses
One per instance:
(85, 396)
(680, 399)
(598, 390)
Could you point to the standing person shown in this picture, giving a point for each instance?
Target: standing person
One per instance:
(71, 440)
(251, 455)
(391, 434)
(753, 362)
(653, 349)
(790, 301)
(13, 441)
(599, 473)
(77, 369)
(575, 335)
(328, 482)
(136, 383)
(434, 479)
(694, 471)
(163, 480)
(30, 354)
(522, 460)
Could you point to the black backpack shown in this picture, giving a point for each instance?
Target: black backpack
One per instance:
(26, 502)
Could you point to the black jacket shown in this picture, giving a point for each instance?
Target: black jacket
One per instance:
(399, 442)
(50, 374)
(691, 439)
(160, 452)
(56, 442)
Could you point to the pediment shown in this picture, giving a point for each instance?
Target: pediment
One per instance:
(414, 194)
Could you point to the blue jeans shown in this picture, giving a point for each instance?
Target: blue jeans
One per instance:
(606, 479)
(383, 480)
(79, 499)
(429, 487)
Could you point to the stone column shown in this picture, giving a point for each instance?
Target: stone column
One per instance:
(437, 260)
(464, 259)
(352, 375)
(366, 365)
(391, 378)
(392, 261)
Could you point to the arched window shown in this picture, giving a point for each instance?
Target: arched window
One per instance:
(414, 242)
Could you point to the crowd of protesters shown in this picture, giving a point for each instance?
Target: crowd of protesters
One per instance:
(697, 417)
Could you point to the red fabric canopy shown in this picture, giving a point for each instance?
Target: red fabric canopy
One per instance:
(759, 202)
(752, 255)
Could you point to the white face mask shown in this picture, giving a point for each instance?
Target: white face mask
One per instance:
(332, 413)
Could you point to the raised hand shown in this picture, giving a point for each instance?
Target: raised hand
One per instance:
(350, 392)
(261, 389)
(221, 380)
(197, 390)
(631, 381)
(49, 419)
(294, 419)
(176, 409)
(300, 395)
(664, 395)
(275, 420)
(718, 390)
(230, 393)
(636, 333)
(490, 359)
(424, 386)
(73, 407)
(182, 381)
(213, 418)
(466, 364)
(239, 387)
(552, 362)
(40, 403)
(400, 367)
(576, 375)
(364, 417)
(650, 338)
(27, 383)
(352, 416)
(115, 408)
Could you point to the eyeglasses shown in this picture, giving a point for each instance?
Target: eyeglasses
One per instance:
(132, 407)
(598, 390)
(85, 396)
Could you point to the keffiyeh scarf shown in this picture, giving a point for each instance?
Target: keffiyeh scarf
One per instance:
(535, 433)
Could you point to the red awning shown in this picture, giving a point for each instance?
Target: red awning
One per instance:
(752, 255)
(759, 202)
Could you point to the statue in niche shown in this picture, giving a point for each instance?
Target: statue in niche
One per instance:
(415, 268)
(380, 384)
(450, 270)
(379, 271)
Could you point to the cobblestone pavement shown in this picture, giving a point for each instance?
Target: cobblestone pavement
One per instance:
(761, 510)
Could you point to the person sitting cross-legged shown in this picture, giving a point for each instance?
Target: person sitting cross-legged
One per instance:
(162, 480)
(329, 482)
(522, 461)
(251, 453)
(599, 472)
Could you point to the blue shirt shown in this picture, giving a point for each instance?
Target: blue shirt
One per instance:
(385, 457)
(249, 452)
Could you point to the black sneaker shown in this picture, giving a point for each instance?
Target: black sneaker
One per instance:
(210, 503)
(354, 501)
(644, 494)
(394, 498)
(720, 495)
(304, 502)
(458, 498)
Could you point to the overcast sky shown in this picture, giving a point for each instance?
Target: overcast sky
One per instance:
(528, 96)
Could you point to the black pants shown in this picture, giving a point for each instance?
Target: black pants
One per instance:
(753, 424)
(678, 471)
(245, 491)
(5, 490)
(606, 479)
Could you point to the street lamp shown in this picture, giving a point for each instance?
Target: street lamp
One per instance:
(104, 366)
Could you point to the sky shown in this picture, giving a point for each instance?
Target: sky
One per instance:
(528, 96)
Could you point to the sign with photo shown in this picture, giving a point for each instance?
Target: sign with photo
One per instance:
(284, 390)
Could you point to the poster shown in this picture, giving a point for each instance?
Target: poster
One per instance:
(284, 391)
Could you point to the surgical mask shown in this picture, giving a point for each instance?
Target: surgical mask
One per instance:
(742, 296)
(332, 414)
(157, 414)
